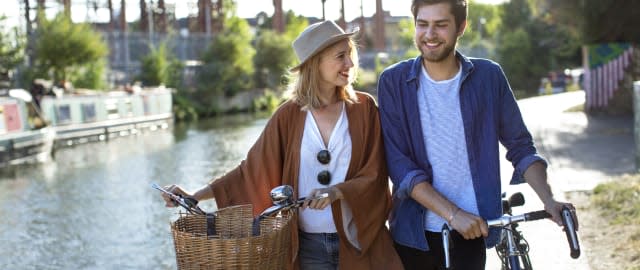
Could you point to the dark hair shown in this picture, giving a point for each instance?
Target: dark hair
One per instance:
(458, 8)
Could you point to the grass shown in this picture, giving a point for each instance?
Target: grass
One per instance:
(618, 202)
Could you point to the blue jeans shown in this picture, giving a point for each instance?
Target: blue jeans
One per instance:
(318, 251)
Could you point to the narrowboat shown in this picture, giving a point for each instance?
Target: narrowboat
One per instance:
(24, 137)
(87, 116)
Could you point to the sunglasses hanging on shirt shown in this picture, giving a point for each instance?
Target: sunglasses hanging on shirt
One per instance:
(324, 157)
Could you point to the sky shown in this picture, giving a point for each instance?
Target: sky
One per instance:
(245, 8)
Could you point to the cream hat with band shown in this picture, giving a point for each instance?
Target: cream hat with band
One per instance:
(317, 37)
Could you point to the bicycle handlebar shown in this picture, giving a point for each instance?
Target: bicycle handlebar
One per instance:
(567, 221)
(277, 208)
(188, 203)
(506, 219)
(570, 230)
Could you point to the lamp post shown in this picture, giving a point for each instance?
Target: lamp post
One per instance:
(323, 18)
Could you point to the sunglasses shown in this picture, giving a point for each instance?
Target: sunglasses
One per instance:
(324, 157)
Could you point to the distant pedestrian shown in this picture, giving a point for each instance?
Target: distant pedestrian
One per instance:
(443, 116)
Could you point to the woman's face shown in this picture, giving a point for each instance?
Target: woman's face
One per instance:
(336, 65)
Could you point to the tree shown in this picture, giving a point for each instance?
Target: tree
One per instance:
(227, 64)
(160, 67)
(11, 50)
(69, 51)
(274, 54)
(611, 21)
(532, 43)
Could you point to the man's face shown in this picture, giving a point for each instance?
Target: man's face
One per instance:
(436, 33)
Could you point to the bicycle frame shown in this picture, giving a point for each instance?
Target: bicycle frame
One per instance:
(513, 249)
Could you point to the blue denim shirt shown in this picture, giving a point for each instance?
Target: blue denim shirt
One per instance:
(490, 116)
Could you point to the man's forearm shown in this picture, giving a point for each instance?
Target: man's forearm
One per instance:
(536, 176)
(430, 198)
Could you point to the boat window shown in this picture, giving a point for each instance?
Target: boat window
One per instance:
(88, 112)
(63, 114)
(112, 108)
(128, 108)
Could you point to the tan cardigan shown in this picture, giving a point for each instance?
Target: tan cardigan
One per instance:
(275, 160)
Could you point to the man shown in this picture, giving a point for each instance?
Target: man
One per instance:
(442, 116)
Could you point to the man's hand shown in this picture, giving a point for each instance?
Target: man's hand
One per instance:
(468, 225)
(554, 208)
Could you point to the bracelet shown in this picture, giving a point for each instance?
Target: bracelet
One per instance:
(453, 215)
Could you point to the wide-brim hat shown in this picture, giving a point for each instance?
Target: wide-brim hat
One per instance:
(315, 38)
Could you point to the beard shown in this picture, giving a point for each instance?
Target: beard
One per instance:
(436, 56)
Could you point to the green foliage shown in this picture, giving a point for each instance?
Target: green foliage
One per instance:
(227, 64)
(62, 48)
(89, 75)
(406, 33)
(611, 21)
(294, 25)
(367, 80)
(160, 67)
(11, 49)
(483, 22)
(184, 109)
(517, 55)
(267, 102)
(531, 44)
(273, 56)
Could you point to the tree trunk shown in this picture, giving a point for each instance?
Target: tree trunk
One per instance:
(111, 21)
(144, 19)
(278, 18)
(162, 17)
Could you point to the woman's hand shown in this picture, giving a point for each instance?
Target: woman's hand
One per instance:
(321, 203)
(175, 189)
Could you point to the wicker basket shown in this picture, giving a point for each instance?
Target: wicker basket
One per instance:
(233, 246)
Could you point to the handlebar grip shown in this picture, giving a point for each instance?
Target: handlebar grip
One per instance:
(537, 215)
(570, 230)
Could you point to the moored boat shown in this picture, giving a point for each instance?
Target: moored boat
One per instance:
(24, 137)
(87, 116)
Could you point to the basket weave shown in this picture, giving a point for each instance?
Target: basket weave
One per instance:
(233, 247)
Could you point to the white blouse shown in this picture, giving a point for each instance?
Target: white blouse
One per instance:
(339, 146)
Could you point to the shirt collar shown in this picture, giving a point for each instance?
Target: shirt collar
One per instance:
(467, 67)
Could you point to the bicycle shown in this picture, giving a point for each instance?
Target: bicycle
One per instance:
(513, 248)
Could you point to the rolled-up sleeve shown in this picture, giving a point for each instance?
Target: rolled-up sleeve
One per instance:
(514, 135)
(404, 172)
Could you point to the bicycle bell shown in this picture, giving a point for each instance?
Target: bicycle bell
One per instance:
(281, 195)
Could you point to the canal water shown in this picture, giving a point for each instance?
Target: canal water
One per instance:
(92, 206)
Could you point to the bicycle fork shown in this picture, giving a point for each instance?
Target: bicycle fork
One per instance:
(512, 251)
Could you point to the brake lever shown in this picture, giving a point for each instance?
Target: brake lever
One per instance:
(189, 204)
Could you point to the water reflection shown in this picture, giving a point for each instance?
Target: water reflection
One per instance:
(92, 207)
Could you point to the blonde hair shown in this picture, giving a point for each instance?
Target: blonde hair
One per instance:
(303, 88)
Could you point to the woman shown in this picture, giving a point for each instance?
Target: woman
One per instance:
(325, 138)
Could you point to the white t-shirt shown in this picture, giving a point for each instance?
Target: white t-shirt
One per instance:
(443, 130)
